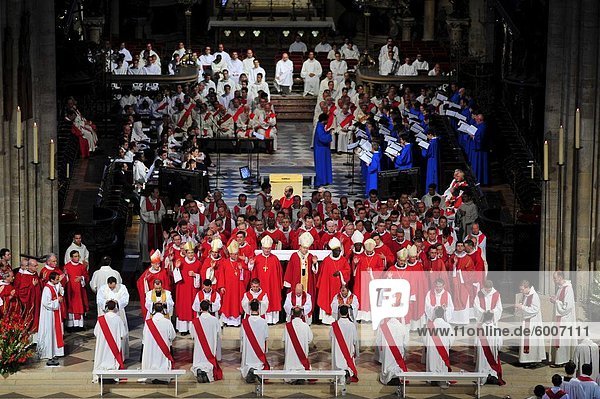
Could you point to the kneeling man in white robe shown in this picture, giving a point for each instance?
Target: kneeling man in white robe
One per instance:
(113, 291)
(392, 339)
(109, 333)
(438, 346)
(344, 340)
(157, 338)
(297, 335)
(206, 331)
(488, 343)
(253, 335)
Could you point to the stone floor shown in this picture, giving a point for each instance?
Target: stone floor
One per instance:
(73, 378)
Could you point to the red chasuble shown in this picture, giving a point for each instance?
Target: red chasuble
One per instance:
(365, 265)
(30, 295)
(294, 274)
(186, 292)
(77, 300)
(268, 270)
(328, 285)
(234, 277)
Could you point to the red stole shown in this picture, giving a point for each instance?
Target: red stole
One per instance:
(584, 378)
(347, 120)
(237, 114)
(152, 208)
(387, 334)
(443, 299)
(303, 302)
(527, 303)
(330, 118)
(337, 331)
(489, 356)
(555, 395)
(296, 344)
(185, 115)
(254, 344)
(557, 319)
(162, 105)
(224, 119)
(495, 297)
(58, 331)
(110, 340)
(439, 345)
(217, 372)
(159, 339)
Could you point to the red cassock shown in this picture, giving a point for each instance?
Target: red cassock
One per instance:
(268, 270)
(346, 244)
(77, 300)
(45, 277)
(146, 283)
(436, 269)
(478, 272)
(328, 285)
(186, 292)
(277, 236)
(325, 238)
(247, 251)
(362, 274)
(10, 304)
(293, 274)
(462, 290)
(30, 295)
(390, 258)
(419, 286)
(234, 277)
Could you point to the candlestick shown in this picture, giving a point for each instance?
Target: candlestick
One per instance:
(68, 170)
(52, 160)
(577, 129)
(561, 144)
(546, 149)
(36, 144)
(19, 129)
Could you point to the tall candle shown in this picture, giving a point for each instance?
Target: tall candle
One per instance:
(52, 160)
(19, 129)
(36, 144)
(546, 160)
(68, 170)
(577, 129)
(561, 143)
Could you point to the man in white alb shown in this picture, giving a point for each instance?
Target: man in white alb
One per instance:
(206, 332)
(564, 316)
(338, 68)
(103, 273)
(297, 335)
(407, 69)
(311, 73)
(298, 46)
(236, 67)
(254, 334)
(157, 338)
(531, 350)
(392, 339)
(115, 292)
(344, 341)
(284, 72)
(110, 333)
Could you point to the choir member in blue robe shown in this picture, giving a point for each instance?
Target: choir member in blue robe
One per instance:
(322, 153)
(431, 156)
(404, 160)
(454, 93)
(466, 112)
(479, 163)
(372, 169)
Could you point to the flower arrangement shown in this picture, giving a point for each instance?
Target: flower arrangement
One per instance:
(15, 338)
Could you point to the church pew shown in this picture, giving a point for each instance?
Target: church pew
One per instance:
(139, 374)
(477, 378)
(338, 377)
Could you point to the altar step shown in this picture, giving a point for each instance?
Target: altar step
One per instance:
(294, 107)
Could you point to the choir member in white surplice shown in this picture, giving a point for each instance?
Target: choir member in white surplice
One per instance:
(253, 335)
(206, 332)
(207, 293)
(531, 350)
(588, 385)
(284, 71)
(50, 331)
(586, 352)
(311, 73)
(103, 273)
(344, 342)
(297, 335)
(439, 297)
(564, 316)
(488, 344)
(570, 384)
(392, 340)
(109, 332)
(556, 392)
(301, 300)
(488, 300)
(157, 338)
(438, 345)
(111, 291)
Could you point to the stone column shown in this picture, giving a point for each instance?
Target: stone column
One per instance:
(429, 20)
(94, 27)
(457, 26)
(407, 24)
(478, 37)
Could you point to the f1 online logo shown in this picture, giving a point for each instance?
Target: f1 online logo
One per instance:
(389, 298)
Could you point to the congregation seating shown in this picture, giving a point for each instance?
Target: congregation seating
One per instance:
(337, 376)
(109, 374)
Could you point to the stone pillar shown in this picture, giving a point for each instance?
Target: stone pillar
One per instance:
(478, 37)
(114, 18)
(94, 27)
(407, 24)
(573, 34)
(29, 200)
(429, 20)
(456, 26)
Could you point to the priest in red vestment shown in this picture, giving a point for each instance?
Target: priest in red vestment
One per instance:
(232, 278)
(51, 266)
(29, 291)
(302, 267)
(419, 287)
(461, 286)
(334, 273)
(77, 300)
(187, 282)
(210, 265)
(146, 281)
(367, 266)
(267, 268)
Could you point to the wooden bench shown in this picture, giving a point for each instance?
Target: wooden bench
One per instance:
(338, 377)
(430, 376)
(138, 374)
